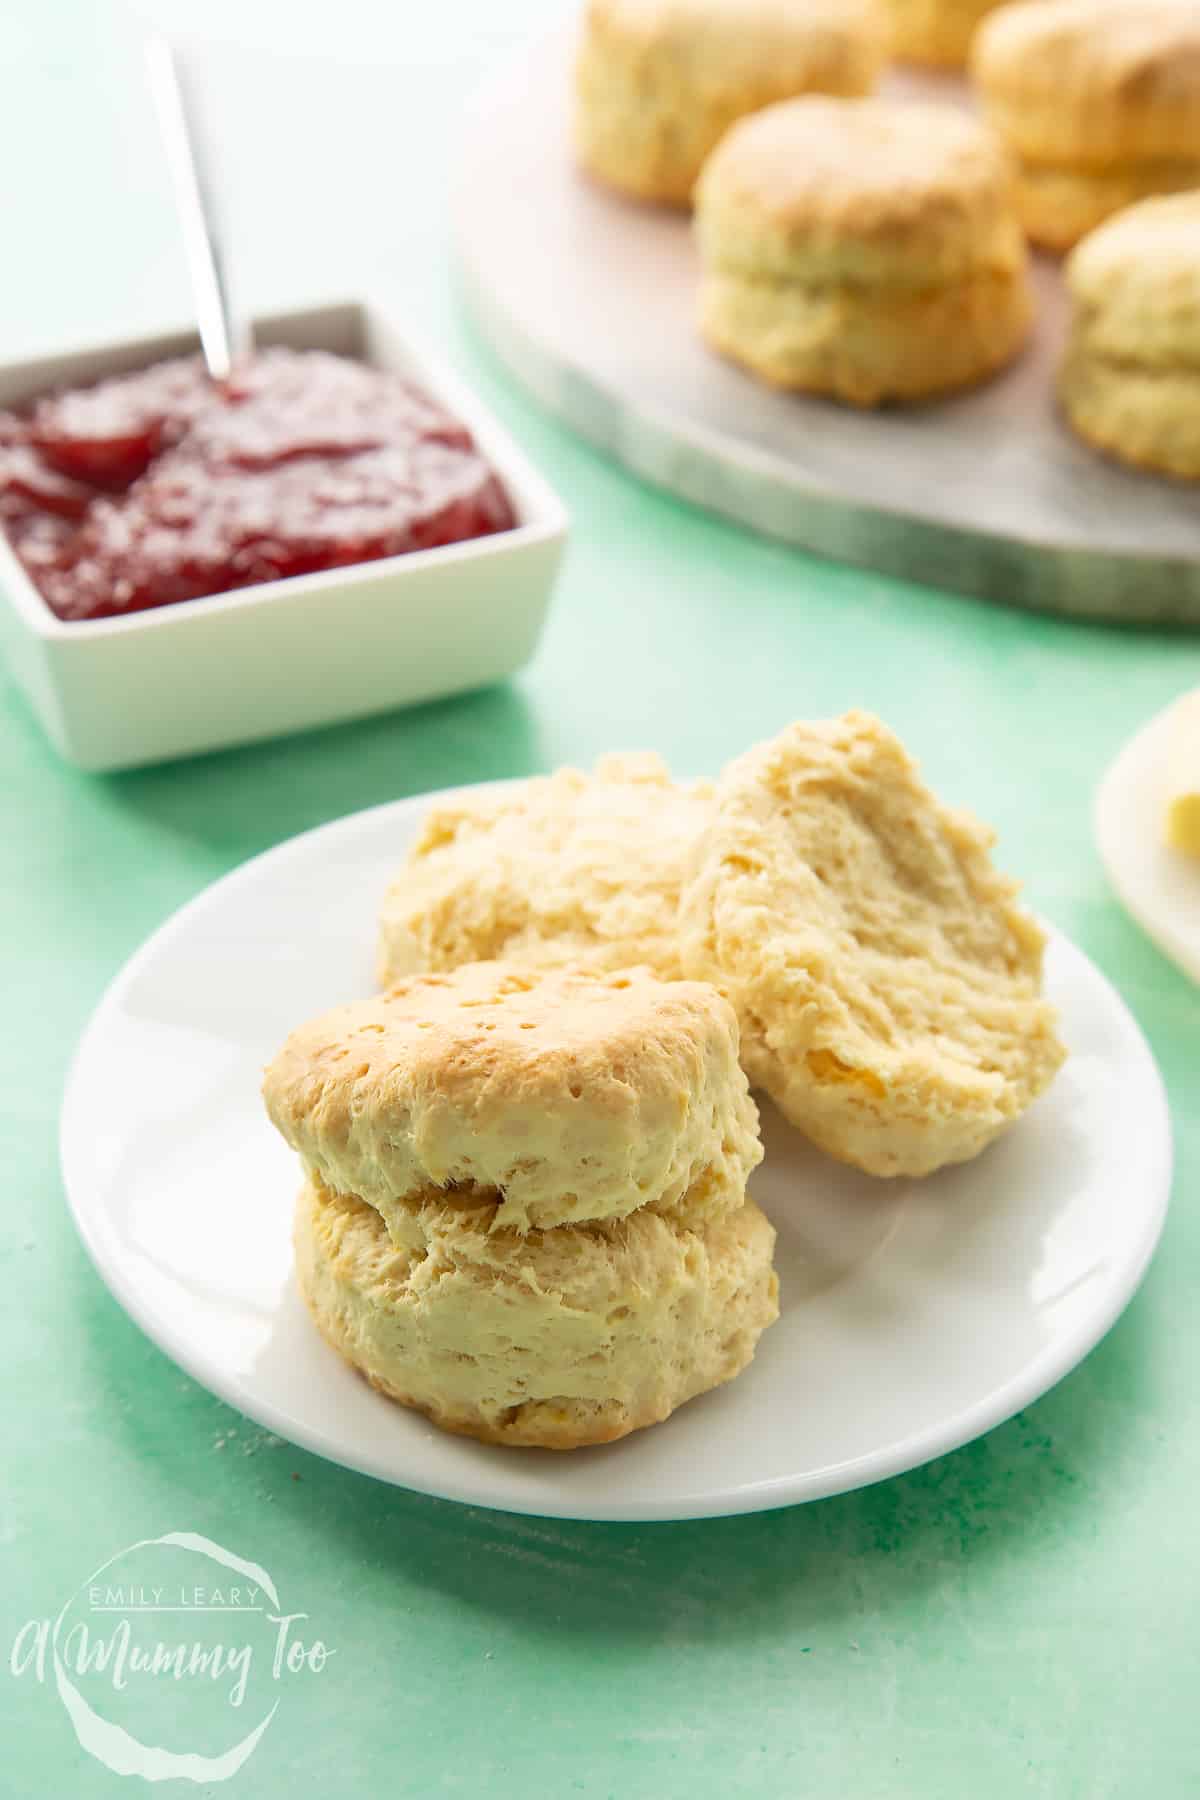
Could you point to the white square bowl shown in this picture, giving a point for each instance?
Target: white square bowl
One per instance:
(285, 655)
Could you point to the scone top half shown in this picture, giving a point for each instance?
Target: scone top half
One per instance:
(562, 1096)
(858, 193)
(1135, 283)
(887, 984)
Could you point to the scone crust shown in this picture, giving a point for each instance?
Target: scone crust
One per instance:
(562, 869)
(1093, 83)
(1058, 206)
(658, 82)
(566, 1095)
(1130, 380)
(1147, 417)
(884, 193)
(887, 983)
(935, 33)
(1135, 285)
(554, 1339)
(863, 346)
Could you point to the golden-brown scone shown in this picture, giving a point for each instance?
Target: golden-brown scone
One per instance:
(1093, 83)
(554, 1339)
(936, 33)
(1060, 206)
(561, 1095)
(1098, 99)
(887, 984)
(866, 249)
(562, 869)
(658, 82)
(1130, 381)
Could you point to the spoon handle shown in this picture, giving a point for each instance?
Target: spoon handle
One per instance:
(224, 339)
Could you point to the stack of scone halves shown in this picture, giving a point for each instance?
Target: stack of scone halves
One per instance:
(524, 1210)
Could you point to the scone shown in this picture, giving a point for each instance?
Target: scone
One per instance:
(1130, 380)
(524, 1209)
(936, 33)
(865, 249)
(563, 1096)
(887, 984)
(658, 82)
(562, 869)
(1099, 100)
(555, 1339)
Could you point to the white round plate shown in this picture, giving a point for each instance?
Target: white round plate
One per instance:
(915, 1315)
(1160, 887)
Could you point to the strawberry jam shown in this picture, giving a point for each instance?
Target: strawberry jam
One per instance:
(161, 486)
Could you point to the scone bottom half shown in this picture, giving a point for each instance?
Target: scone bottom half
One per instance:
(551, 1340)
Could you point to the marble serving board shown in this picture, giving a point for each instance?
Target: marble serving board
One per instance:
(590, 300)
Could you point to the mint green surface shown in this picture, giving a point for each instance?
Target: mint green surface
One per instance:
(1017, 1619)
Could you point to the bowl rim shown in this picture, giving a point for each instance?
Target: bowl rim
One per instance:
(542, 516)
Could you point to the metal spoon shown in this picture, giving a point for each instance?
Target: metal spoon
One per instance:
(224, 337)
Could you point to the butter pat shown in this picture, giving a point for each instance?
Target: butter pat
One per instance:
(1182, 827)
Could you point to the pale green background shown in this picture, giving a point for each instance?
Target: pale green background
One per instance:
(1017, 1619)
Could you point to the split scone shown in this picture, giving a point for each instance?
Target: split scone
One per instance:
(658, 82)
(1100, 101)
(936, 33)
(1130, 380)
(525, 1207)
(561, 869)
(865, 249)
(887, 985)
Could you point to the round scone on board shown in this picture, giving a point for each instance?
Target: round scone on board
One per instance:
(864, 249)
(560, 869)
(1099, 100)
(887, 984)
(659, 82)
(563, 1096)
(1130, 379)
(553, 1339)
